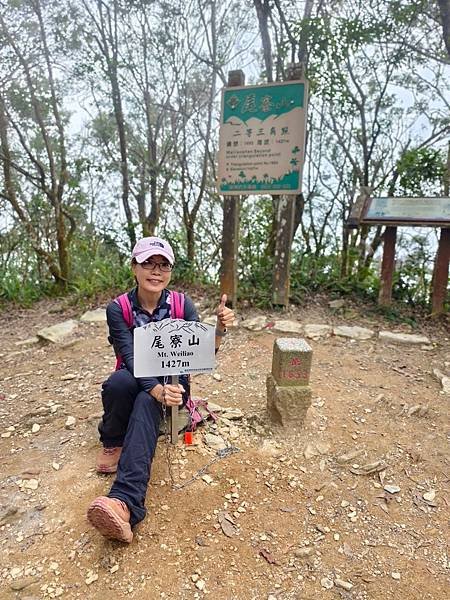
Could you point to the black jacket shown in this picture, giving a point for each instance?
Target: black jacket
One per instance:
(121, 337)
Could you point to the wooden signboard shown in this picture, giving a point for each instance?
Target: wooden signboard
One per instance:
(431, 212)
(412, 212)
(262, 138)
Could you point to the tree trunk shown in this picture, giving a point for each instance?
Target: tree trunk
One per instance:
(263, 12)
(444, 9)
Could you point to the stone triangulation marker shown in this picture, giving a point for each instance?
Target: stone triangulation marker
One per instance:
(288, 391)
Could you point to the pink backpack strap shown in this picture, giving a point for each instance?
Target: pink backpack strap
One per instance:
(176, 300)
(124, 302)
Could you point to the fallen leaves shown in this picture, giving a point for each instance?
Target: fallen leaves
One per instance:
(369, 468)
(268, 556)
(228, 524)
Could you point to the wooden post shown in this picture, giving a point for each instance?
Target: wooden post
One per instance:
(440, 273)
(285, 210)
(230, 228)
(387, 266)
(174, 416)
(282, 254)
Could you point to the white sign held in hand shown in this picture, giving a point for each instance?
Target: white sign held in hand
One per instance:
(173, 347)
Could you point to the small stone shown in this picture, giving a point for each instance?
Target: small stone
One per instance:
(255, 324)
(165, 507)
(114, 569)
(395, 576)
(336, 304)
(94, 316)
(345, 503)
(315, 331)
(15, 572)
(354, 332)
(91, 577)
(403, 338)
(217, 377)
(30, 484)
(392, 489)
(346, 585)
(58, 333)
(286, 326)
(336, 537)
(6, 434)
(302, 552)
(429, 496)
(234, 433)
(207, 479)
(68, 377)
(326, 583)
(200, 584)
(28, 342)
(35, 428)
(195, 577)
(216, 442)
(70, 423)
(56, 466)
(21, 584)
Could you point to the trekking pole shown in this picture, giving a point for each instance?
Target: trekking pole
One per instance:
(174, 416)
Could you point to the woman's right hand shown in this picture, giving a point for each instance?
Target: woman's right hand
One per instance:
(169, 394)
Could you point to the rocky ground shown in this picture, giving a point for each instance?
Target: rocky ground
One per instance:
(355, 505)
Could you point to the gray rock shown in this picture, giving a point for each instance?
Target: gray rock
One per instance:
(70, 422)
(216, 442)
(349, 456)
(58, 333)
(28, 342)
(403, 338)
(392, 489)
(336, 304)
(445, 381)
(211, 320)
(255, 324)
(317, 330)
(94, 316)
(288, 326)
(354, 332)
(21, 584)
(345, 585)
(303, 552)
(326, 583)
(232, 414)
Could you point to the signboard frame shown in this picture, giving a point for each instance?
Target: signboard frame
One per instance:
(290, 182)
(167, 355)
(369, 216)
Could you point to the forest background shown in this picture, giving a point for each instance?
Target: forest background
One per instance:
(109, 115)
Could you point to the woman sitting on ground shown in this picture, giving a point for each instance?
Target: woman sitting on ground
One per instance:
(133, 406)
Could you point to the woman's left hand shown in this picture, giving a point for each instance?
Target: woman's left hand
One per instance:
(225, 316)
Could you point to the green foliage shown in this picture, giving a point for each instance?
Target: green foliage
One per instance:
(321, 273)
(97, 266)
(421, 171)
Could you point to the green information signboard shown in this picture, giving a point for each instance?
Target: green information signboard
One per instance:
(262, 139)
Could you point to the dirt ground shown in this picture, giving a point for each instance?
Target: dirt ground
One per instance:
(307, 523)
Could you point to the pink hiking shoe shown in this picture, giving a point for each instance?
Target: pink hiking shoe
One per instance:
(111, 517)
(108, 459)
